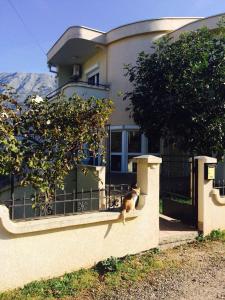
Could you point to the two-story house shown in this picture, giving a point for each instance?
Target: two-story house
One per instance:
(91, 63)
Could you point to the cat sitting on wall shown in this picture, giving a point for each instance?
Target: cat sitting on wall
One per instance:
(129, 201)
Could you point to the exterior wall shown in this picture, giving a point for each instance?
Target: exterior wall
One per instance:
(64, 74)
(94, 179)
(99, 59)
(210, 22)
(46, 248)
(128, 50)
(211, 206)
(85, 91)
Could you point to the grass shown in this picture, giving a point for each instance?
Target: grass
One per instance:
(124, 271)
(107, 275)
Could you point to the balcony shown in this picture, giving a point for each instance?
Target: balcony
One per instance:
(82, 89)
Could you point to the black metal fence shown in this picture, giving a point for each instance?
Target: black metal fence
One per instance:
(63, 203)
(220, 185)
(26, 205)
(219, 181)
(178, 188)
(175, 175)
(114, 194)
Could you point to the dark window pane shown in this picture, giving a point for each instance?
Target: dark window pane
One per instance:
(132, 166)
(97, 79)
(91, 80)
(116, 162)
(134, 141)
(116, 141)
(94, 80)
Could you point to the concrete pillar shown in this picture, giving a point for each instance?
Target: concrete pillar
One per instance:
(148, 174)
(148, 168)
(205, 188)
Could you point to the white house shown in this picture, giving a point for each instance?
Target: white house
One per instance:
(91, 63)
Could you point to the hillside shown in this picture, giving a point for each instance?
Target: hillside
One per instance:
(25, 84)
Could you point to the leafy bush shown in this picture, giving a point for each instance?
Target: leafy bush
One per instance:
(41, 141)
(111, 264)
(177, 97)
(216, 235)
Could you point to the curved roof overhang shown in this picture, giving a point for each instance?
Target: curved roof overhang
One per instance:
(210, 22)
(75, 46)
(78, 43)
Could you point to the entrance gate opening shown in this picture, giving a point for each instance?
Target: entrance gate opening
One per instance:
(178, 188)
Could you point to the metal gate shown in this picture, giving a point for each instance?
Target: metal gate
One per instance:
(178, 188)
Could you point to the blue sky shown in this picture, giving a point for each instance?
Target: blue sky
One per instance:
(46, 20)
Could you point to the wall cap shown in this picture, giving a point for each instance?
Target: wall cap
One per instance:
(148, 159)
(215, 194)
(52, 223)
(207, 159)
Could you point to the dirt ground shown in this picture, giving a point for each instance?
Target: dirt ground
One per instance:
(199, 273)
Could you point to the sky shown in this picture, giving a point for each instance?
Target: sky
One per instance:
(26, 38)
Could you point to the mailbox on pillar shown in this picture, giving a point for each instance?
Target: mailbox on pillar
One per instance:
(210, 171)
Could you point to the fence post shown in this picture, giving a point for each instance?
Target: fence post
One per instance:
(148, 170)
(204, 195)
(101, 186)
(148, 174)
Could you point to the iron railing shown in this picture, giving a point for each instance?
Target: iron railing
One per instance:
(220, 185)
(58, 90)
(62, 203)
(114, 194)
(30, 206)
(175, 175)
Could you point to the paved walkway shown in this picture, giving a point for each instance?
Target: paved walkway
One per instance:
(174, 232)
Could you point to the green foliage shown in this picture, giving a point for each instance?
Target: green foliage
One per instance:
(42, 141)
(215, 235)
(179, 91)
(200, 238)
(111, 264)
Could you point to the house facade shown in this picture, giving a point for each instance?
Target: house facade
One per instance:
(91, 63)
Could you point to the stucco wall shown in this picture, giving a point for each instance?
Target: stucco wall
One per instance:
(211, 206)
(64, 74)
(210, 22)
(120, 53)
(100, 60)
(46, 248)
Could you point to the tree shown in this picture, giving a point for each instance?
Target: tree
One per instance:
(42, 141)
(179, 91)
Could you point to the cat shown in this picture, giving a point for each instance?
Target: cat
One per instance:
(129, 201)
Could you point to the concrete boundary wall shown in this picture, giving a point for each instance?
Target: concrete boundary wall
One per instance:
(211, 206)
(46, 248)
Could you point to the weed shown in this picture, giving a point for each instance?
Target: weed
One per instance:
(216, 235)
(200, 238)
(111, 264)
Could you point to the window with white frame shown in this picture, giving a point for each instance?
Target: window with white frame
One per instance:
(93, 75)
(126, 143)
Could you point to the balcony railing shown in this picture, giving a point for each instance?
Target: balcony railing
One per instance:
(82, 88)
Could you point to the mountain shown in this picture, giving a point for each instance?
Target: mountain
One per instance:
(25, 84)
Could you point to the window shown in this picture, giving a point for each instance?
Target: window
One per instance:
(134, 142)
(116, 141)
(126, 142)
(93, 79)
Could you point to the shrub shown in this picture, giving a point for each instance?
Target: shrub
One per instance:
(111, 264)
